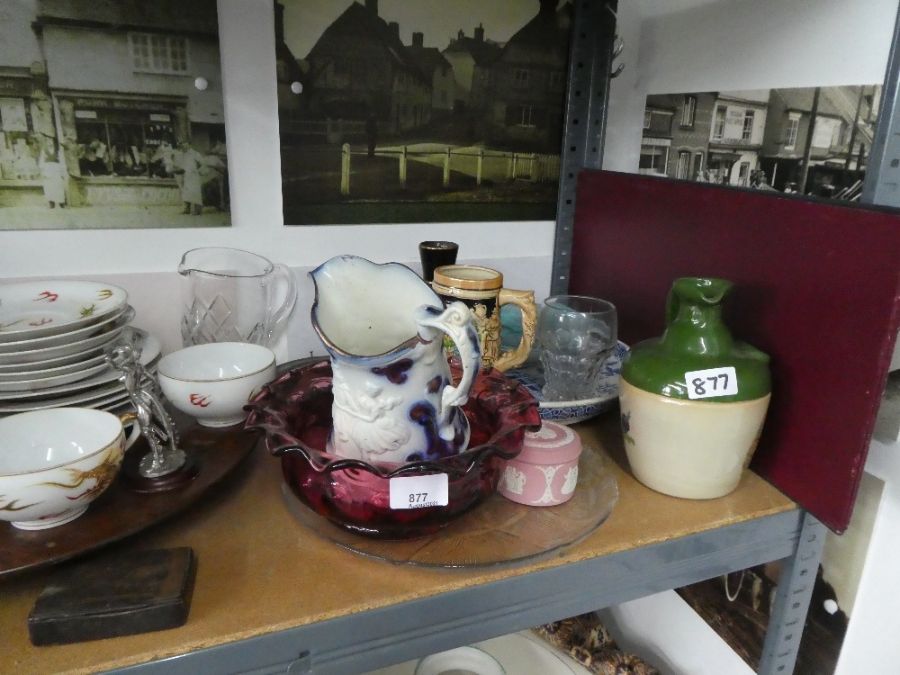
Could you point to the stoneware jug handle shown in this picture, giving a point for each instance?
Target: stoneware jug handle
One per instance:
(704, 291)
(455, 321)
(285, 277)
(524, 300)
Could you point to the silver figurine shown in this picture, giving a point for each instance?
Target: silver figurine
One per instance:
(156, 425)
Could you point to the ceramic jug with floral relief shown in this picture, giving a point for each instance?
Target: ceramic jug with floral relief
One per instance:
(383, 328)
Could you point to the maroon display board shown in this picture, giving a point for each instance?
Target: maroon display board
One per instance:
(817, 288)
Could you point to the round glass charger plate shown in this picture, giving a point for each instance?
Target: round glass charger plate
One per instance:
(496, 532)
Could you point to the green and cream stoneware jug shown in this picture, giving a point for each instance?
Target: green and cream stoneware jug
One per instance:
(694, 400)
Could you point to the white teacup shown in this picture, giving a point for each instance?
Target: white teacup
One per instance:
(55, 462)
(213, 382)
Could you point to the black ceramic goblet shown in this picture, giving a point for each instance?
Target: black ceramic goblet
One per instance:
(433, 254)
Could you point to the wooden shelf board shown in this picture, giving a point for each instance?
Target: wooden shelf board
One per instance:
(260, 572)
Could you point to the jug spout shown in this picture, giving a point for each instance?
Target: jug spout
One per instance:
(223, 261)
(365, 309)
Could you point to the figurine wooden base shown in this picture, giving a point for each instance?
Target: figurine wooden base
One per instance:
(132, 477)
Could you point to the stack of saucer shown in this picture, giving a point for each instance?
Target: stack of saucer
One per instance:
(53, 336)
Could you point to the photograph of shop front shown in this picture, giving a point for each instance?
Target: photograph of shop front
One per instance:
(761, 139)
(111, 115)
(431, 111)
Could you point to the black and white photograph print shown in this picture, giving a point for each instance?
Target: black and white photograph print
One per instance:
(111, 115)
(428, 111)
(812, 141)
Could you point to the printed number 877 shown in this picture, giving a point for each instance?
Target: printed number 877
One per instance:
(700, 388)
(417, 497)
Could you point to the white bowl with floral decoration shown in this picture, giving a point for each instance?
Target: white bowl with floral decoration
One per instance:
(55, 462)
(213, 382)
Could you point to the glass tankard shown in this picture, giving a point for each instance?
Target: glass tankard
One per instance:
(577, 335)
(230, 295)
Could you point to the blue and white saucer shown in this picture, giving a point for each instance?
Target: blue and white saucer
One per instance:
(570, 412)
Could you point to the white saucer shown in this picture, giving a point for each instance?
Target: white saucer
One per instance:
(108, 323)
(71, 361)
(45, 373)
(149, 355)
(56, 351)
(20, 386)
(110, 393)
(32, 309)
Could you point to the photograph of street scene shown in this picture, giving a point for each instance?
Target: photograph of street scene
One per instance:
(811, 141)
(111, 115)
(426, 111)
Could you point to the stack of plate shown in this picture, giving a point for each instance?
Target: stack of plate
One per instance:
(53, 337)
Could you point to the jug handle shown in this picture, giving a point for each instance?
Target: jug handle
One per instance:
(284, 275)
(673, 304)
(709, 291)
(455, 321)
(524, 300)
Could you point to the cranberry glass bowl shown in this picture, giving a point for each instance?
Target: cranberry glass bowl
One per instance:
(294, 412)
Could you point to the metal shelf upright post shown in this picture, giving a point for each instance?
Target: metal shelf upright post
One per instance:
(584, 126)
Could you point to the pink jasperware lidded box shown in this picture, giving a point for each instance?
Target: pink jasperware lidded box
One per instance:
(546, 471)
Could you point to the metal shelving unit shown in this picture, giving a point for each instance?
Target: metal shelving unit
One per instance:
(407, 630)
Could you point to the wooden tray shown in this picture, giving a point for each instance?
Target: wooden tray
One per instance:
(120, 511)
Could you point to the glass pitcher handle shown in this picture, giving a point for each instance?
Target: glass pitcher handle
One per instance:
(283, 276)
(456, 321)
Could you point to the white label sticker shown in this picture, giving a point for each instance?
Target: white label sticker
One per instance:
(711, 382)
(419, 492)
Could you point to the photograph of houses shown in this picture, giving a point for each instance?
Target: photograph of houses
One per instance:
(437, 110)
(812, 141)
(111, 115)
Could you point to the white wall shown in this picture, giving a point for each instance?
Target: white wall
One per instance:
(870, 645)
(625, 117)
(760, 44)
(143, 261)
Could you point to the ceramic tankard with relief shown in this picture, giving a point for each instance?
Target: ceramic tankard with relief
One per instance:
(481, 289)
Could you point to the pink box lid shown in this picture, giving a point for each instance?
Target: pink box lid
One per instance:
(554, 444)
